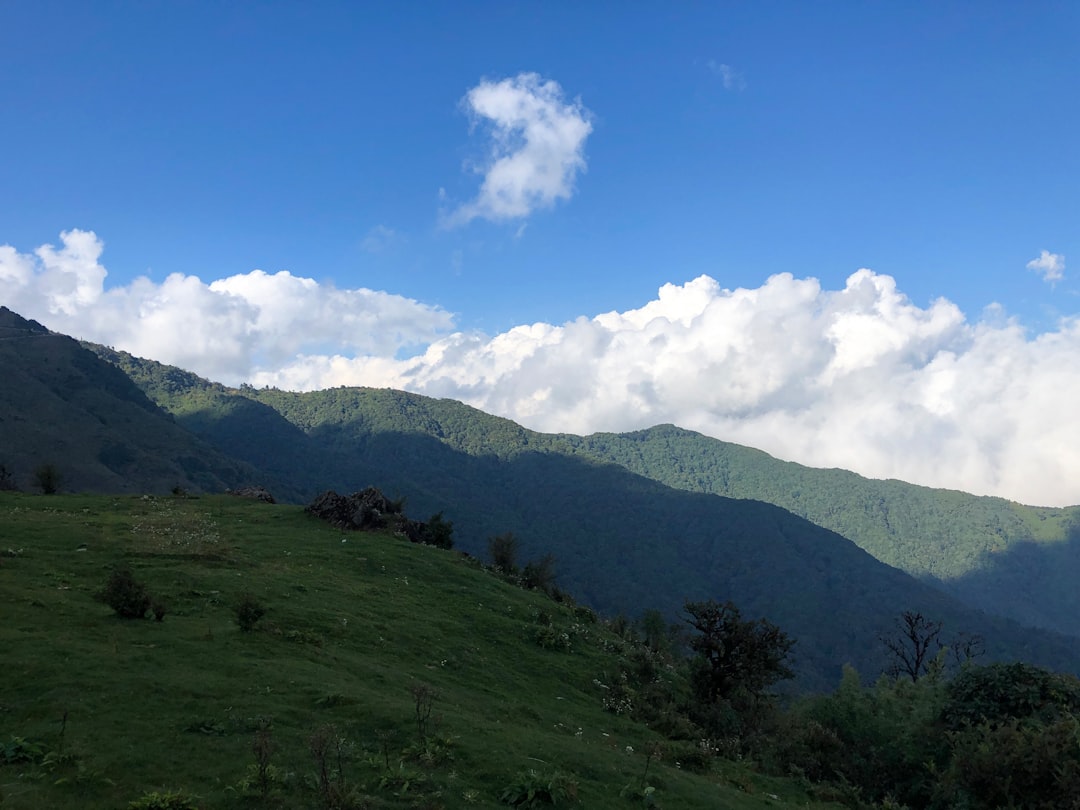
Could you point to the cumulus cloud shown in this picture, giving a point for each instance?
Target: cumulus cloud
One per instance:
(858, 377)
(536, 148)
(1051, 266)
(732, 79)
(228, 329)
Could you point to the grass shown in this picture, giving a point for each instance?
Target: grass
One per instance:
(359, 629)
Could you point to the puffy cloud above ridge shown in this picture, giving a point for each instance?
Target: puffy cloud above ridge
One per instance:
(860, 377)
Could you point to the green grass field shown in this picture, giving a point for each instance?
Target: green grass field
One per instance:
(360, 630)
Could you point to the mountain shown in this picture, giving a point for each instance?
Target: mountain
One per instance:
(61, 405)
(1004, 558)
(623, 542)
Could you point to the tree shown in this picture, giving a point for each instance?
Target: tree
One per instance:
(440, 532)
(540, 574)
(915, 646)
(48, 478)
(738, 659)
(7, 480)
(503, 549)
(654, 628)
(966, 648)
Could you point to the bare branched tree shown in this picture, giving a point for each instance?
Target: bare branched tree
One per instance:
(915, 645)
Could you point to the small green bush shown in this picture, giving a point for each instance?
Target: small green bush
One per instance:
(48, 479)
(1014, 764)
(998, 693)
(439, 532)
(125, 595)
(551, 639)
(539, 575)
(532, 789)
(248, 612)
(18, 750)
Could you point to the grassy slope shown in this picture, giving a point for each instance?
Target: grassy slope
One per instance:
(350, 627)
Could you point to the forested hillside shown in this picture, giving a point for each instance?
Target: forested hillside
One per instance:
(66, 414)
(998, 555)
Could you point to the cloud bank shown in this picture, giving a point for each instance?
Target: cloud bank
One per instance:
(229, 329)
(536, 149)
(860, 377)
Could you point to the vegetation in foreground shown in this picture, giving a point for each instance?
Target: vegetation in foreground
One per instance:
(292, 664)
(296, 665)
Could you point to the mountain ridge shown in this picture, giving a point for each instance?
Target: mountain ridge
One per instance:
(435, 452)
(623, 542)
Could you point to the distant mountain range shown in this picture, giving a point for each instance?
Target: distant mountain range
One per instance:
(635, 521)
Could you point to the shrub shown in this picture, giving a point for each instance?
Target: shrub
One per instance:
(330, 749)
(540, 574)
(532, 788)
(883, 740)
(439, 532)
(1014, 765)
(503, 549)
(48, 479)
(18, 750)
(423, 699)
(248, 613)
(1000, 692)
(552, 639)
(125, 595)
(7, 480)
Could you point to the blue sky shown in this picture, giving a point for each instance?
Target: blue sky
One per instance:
(347, 143)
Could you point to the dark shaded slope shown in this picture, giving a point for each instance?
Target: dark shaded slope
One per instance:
(1000, 556)
(62, 405)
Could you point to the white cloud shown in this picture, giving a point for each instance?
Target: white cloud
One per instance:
(536, 150)
(732, 79)
(227, 330)
(1051, 266)
(859, 377)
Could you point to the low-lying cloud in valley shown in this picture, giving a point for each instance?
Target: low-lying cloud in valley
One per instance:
(859, 378)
